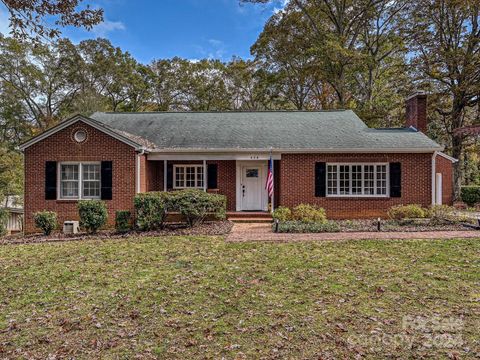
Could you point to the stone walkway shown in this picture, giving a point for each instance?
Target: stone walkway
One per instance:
(242, 232)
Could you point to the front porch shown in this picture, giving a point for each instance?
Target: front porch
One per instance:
(240, 178)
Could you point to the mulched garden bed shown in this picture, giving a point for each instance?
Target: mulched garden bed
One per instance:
(392, 226)
(214, 228)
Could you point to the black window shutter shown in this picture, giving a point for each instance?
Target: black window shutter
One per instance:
(320, 179)
(50, 180)
(395, 179)
(106, 178)
(169, 176)
(212, 175)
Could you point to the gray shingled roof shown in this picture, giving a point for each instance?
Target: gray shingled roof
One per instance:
(286, 130)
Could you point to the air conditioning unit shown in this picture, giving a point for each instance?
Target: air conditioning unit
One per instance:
(71, 227)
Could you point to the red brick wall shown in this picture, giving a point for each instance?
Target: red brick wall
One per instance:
(298, 183)
(61, 147)
(445, 167)
(226, 177)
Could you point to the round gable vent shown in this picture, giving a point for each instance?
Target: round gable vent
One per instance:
(80, 135)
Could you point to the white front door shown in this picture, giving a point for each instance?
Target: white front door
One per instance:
(251, 188)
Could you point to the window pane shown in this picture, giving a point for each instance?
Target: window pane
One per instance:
(91, 172)
(332, 180)
(381, 179)
(356, 179)
(91, 188)
(179, 177)
(369, 180)
(190, 176)
(251, 173)
(200, 176)
(69, 189)
(70, 172)
(344, 179)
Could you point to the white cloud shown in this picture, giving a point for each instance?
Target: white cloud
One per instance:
(107, 26)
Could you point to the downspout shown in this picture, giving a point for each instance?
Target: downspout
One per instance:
(141, 153)
(434, 166)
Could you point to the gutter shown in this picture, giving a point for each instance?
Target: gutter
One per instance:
(295, 150)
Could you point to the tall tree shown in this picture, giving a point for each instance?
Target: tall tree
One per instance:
(43, 77)
(43, 18)
(445, 36)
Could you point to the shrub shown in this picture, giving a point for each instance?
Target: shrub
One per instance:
(282, 214)
(195, 205)
(122, 221)
(411, 211)
(309, 213)
(93, 214)
(470, 195)
(3, 221)
(46, 221)
(440, 214)
(151, 210)
(307, 227)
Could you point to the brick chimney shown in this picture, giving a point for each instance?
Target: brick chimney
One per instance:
(416, 105)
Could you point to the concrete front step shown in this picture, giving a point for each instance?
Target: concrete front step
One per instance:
(249, 217)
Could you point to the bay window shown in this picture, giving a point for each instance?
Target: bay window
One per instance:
(79, 181)
(357, 180)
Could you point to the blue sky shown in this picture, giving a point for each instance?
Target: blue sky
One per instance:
(193, 29)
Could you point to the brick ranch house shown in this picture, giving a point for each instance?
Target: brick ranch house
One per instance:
(328, 158)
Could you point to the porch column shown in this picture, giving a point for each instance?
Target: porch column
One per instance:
(165, 175)
(205, 175)
(273, 180)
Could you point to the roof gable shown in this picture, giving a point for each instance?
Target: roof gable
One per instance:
(119, 135)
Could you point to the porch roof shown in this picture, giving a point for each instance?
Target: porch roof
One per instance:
(340, 130)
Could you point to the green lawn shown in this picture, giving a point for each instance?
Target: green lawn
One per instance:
(203, 298)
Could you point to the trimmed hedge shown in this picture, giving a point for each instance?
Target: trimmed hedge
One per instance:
(46, 221)
(151, 210)
(93, 214)
(307, 227)
(412, 211)
(470, 195)
(309, 214)
(195, 205)
(282, 213)
(122, 221)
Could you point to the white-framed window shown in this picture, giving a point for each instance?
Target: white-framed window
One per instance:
(79, 181)
(356, 180)
(188, 176)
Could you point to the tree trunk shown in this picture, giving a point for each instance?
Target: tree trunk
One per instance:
(457, 153)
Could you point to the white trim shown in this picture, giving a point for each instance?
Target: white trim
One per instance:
(239, 173)
(80, 180)
(205, 175)
(439, 189)
(165, 177)
(211, 156)
(433, 170)
(196, 166)
(162, 153)
(448, 157)
(86, 120)
(362, 164)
